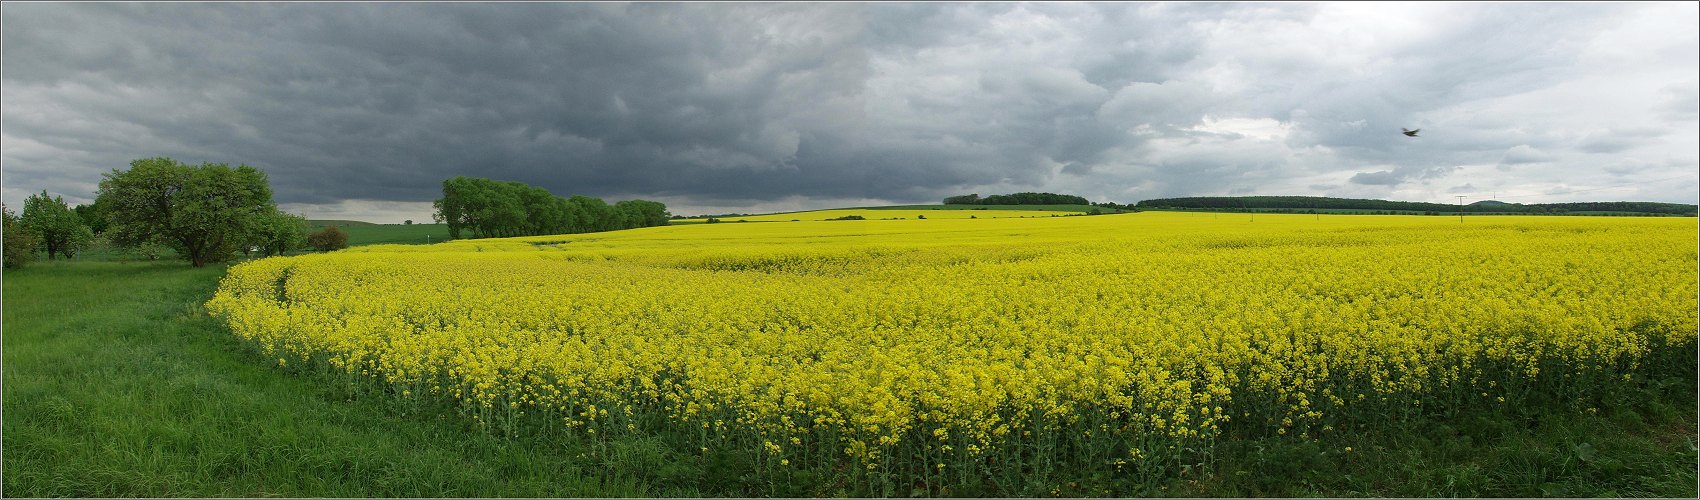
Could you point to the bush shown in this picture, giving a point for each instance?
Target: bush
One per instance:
(850, 217)
(20, 242)
(328, 239)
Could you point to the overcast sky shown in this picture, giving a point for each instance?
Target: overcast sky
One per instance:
(360, 111)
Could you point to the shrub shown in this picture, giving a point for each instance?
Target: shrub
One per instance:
(20, 242)
(328, 239)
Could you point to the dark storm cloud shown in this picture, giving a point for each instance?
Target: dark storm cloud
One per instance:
(752, 104)
(383, 101)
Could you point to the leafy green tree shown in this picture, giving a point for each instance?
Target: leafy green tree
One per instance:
(488, 208)
(545, 213)
(92, 217)
(203, 212)
(20, 242)
(643, 213)
(596, 215)
(280, 232)
(328, 239)
(59, 230)
(451, 208)
(967, 199)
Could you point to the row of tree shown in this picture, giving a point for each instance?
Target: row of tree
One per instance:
(1017, 199)
(487, 208)
(206, 213)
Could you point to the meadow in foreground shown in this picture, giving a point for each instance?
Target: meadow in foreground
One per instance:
(989, 356)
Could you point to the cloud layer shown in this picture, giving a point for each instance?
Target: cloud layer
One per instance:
(361, 110)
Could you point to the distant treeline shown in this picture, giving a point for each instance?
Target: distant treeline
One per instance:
(1017, 199)
(1318, 202)
(496, 209)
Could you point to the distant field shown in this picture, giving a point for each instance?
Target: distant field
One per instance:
(366, 233)
(1365, 211)
(320, 223)
(899, 212)
(1043, 208)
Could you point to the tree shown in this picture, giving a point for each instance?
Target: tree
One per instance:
(92, 217)
(328, 239)
(451, 208)
(643, 213)
(280, 232)
(489, 208)
(593, 215)
(203, 212)
(19, 242)
(967, 199)
(58, 229)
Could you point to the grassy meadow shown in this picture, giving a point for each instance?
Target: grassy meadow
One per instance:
(367, 233)
(667, 361)
(117, 384)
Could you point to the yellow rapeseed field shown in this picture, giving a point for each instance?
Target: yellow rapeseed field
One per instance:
(931, 346)
(881, 214)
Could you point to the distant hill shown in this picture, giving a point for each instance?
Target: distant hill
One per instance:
(1321, 203)
(319, 223)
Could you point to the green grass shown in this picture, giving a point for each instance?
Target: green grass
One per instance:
(366, 233)
(117, 384)
(320, 223)
(1646, 451)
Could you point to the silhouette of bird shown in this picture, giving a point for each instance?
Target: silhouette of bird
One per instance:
(1411, 133)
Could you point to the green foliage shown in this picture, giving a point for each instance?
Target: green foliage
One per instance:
(149, 250)
(204, 212)
(92, 216)
(488, 208)
(117, 384)
(278, 233)
(967, 199)
(58, 229)
(849, 217)
(328, 239)
(642, 213)
(19, 242)
(1026, 198)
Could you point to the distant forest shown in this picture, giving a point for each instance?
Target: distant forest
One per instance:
(1324, 203)
(496, 209)
(1017, 199)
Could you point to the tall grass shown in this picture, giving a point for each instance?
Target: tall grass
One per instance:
(117, 384)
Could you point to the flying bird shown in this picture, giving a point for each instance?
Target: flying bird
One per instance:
(1410, 133)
